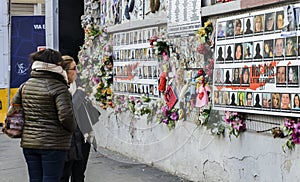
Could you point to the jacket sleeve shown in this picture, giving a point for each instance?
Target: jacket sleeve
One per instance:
(17, 99)
(65, 110)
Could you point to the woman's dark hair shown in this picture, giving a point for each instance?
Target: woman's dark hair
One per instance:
(47, 56)
(296, 95)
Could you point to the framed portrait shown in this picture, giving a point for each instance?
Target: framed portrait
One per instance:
(290, 14)
(291, 47)
(225, 97)
(217, 98)
(117, 55)
(229, 54)
(281, 76)
(229, 28)
(279, 47)
(245, 77)
(241, 99)
(266, 100)
(115, 38)
(269, 22)
(220, 54)
(140, 36)
(219, 76)
(248, 50)
(227, 76)
(258, 22)
(268, 49)
(236, 80)
(249, 99)
(135, 37)
(122, 38)
(221, 30)
(296, 101)
(238, 52)
(238, 27)
(257, 100)
(145, 35)
(293, 76)
(248, 26)
(279, 21)
(233, 99)
(258, 50)
(286, 101)
(155, 71)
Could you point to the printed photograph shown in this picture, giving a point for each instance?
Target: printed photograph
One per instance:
(248, 26)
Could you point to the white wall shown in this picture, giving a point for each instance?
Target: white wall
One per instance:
(190, 151)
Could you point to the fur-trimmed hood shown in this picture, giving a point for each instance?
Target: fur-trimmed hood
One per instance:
(42, 66)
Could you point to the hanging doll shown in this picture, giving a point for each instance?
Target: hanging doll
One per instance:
(202, 90)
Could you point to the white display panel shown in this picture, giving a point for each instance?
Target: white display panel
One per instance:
(257, 62)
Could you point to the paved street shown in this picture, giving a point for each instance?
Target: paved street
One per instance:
(103, 166)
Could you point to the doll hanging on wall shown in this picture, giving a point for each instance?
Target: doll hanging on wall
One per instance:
(202, 90)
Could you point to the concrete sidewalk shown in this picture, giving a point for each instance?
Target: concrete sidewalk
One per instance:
(103, 166)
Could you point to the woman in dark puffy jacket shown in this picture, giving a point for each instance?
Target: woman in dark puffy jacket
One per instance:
(49, 119)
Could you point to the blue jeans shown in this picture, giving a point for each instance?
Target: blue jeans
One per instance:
(44, 165)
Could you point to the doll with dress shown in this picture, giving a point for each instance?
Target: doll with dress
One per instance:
(202, 90)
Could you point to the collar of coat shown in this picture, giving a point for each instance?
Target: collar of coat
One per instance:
(42, 66)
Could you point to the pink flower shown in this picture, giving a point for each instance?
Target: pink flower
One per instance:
(174, 116)
(131, 98)
(96, 80)
(289, 124)
(239, 126)
(297, 127)
(296, 138)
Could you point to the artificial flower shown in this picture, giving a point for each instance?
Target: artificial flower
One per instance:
(292, 129)
(236, 123)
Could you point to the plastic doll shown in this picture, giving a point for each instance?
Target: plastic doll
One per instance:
(202, 90)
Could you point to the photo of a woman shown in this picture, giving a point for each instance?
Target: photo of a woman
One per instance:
(248, 52)
(245, 76)
(275, 100)
(266, 100)
(269, 22)
(268, 49)
(236, 76)
(238, 51)
(279, 20)
(291, 47)
(293, 75)
(238, 29)
(285, 101)
(258, 23)
(296, 102)
(226, 100)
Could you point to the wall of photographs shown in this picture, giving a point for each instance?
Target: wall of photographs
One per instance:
(258, 61)
(136, 70)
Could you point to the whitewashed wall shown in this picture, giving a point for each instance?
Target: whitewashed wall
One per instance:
(190, 151)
